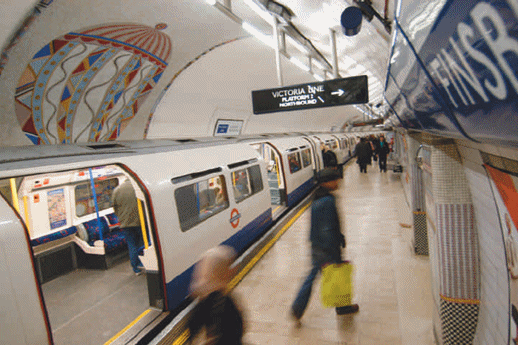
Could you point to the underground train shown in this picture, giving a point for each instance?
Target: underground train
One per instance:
(64, 254)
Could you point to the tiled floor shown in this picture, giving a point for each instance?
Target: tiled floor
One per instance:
(392, 285)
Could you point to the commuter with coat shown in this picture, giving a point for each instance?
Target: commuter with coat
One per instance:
(382, 151)
(326, 240)
(363, 154)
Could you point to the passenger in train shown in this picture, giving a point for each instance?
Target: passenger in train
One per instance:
(124, 202)
(382, 152)
(217, 313)
(328, 156)
(363, 154)
(326, 240)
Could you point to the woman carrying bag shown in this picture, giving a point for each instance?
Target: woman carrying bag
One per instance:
(326, 240)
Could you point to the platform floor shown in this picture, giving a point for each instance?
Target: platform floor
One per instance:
(392, 285)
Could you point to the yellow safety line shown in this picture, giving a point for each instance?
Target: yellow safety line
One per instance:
(185, 335)
(14, 194)
(127, 327)
(182, 338)
(142, 224)
(252, 262)
(26, 209)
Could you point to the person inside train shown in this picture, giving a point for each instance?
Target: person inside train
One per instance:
(328, 156)
(216, 319)
(326, 240)
(124, 201)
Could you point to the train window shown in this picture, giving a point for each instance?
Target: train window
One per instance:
(247, 182)
(201, 200)
(306, 157)
(85, 204)
(294, 161)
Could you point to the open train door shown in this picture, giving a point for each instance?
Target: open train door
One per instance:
(77, 257)
(26, 320)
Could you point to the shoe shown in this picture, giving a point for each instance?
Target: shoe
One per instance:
(296, 319)
(139, 272)
(349, 309)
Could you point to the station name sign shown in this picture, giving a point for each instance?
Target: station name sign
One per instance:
(327, 93)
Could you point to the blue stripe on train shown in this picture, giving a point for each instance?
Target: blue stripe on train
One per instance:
(177, 289)
(299, 193)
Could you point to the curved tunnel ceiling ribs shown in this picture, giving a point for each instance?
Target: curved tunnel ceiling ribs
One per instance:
(157, 101)
(105, 72)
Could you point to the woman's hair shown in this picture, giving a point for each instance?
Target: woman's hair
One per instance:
(213, 272)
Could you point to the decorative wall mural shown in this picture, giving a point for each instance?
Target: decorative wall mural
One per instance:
(86, 86)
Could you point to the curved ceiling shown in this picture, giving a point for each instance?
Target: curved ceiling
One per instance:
(93, 71)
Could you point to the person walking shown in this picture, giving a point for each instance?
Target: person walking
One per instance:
(363, 154)
(326, 240)
(124, 201)
(382, 152)
(216, 313)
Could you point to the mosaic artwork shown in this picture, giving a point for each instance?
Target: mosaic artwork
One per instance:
(86, 86)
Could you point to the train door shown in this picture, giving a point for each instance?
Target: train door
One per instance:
(24, 320)
(274, 170)
(315, 149)
(81, 256)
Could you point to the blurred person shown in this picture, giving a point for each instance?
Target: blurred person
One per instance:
(326, 240)
(216, 319)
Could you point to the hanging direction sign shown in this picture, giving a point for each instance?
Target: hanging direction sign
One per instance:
(327, 93)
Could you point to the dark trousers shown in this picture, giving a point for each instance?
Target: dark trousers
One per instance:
(383, 164)
(363, 167)
(134, 240)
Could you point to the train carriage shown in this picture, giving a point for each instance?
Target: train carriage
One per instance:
(192, 197)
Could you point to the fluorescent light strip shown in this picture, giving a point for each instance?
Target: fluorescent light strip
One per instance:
(268, 40)
(318, 77)
(299, 46)
(257, 9)
(211, 2)
(318, 64)
(299, 64)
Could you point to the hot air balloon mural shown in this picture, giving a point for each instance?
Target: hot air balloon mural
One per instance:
(86, 86)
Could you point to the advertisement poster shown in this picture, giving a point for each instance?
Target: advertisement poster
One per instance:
(505, 190)
(57, 211)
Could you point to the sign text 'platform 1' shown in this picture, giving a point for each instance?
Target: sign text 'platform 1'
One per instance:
(326, 93)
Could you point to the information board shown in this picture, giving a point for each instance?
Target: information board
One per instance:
(328, 93)
(228, 128)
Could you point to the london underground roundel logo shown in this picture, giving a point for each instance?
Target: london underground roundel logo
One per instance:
(234, 218)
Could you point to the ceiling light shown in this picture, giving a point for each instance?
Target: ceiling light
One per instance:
(318, 77)
(211, 2)
(260, 11)
(299, 64)
(259, 35)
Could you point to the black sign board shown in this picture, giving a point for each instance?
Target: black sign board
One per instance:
(327, 93)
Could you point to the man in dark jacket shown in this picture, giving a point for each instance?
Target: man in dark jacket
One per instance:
(382, 151)
(326, 240)
(363, 153)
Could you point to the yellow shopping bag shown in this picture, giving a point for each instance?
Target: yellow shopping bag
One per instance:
(336, 288)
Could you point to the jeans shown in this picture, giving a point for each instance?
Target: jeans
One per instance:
(301, 301)
(133, 237)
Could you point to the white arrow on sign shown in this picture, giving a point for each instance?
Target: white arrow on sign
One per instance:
(339, 92)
